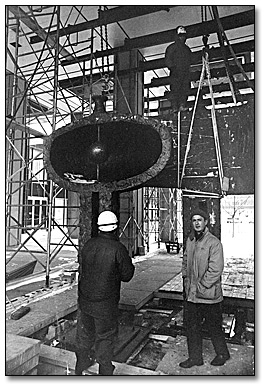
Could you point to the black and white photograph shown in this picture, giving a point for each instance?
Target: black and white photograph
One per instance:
(130, 167)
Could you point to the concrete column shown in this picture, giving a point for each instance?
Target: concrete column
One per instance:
(85, 221)
(73, 212)
(129, 97)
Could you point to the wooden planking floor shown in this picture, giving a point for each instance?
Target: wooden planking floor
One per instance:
(150, 274)
(237, 279)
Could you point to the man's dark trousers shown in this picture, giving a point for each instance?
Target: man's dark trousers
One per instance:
(97, 333)
(195, 314)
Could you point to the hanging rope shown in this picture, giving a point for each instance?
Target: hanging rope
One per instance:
(214, 120)
(231, 49)
(107, 46)
(101, 39)
(220, 34)
(191, 125)
(205, 68)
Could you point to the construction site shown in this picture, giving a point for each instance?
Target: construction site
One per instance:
(82, 79)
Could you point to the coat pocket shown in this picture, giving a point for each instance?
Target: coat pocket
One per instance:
(207, 293)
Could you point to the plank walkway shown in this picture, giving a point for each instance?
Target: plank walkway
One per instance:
(237, 280)
(151, 273)
(155, 276)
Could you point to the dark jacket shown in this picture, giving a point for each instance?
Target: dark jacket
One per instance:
(178, 60)
(105, 263)
(203, 265)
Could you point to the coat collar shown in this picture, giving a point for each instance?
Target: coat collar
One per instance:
(107, 235)
(192, 235)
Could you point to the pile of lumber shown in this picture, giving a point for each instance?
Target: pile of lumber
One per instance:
(22, 355)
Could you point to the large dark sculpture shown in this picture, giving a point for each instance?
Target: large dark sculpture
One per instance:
(107, 152)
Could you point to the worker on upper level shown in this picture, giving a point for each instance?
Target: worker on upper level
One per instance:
(105, 264)
(178, 60)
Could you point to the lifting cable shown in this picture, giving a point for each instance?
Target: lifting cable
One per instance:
(205, 68)
(231, 50)
(214, 120)
(104, 37)
(220, 35)
(191, 124)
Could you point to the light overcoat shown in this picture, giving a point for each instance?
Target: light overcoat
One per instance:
(202, 268)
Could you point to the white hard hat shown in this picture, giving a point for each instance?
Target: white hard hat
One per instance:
(107, 221)
(181, 30)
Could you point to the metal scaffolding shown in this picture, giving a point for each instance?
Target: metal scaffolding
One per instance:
(162, 215)
(36, 105)
(43, 94)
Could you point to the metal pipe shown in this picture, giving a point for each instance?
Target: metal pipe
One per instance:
(178, 147)
(91, 70)
(48, 258)
(50, 198)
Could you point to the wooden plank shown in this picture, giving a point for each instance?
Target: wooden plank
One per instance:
(144, 284)
(127, 351)
(45, 369)
(44, 312)
(133, 299)
(169, 295)
(19, 350)
(32, 372)
(54, 361)
(122, 369)
(26, 367)
(160, 337)
(57, 357)
(124, 340)
(157, 310)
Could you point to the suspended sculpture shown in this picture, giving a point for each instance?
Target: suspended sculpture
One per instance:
(107, 151)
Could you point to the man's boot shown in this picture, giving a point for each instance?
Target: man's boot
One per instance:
(84, 361)
(106, 370)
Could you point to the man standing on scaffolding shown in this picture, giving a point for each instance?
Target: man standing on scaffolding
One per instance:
(178, 60)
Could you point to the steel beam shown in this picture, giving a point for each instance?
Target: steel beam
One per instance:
(215, 73)
(214, 54)
(217, 88)
(195, 30)
(109, 16)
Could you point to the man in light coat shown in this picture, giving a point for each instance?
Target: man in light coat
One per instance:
(202, 268)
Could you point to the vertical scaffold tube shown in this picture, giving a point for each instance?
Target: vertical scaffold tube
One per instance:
(178, 147)
(50, 195)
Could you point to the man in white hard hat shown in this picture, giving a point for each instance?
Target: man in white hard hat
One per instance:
(178, 60)
(105, 262)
